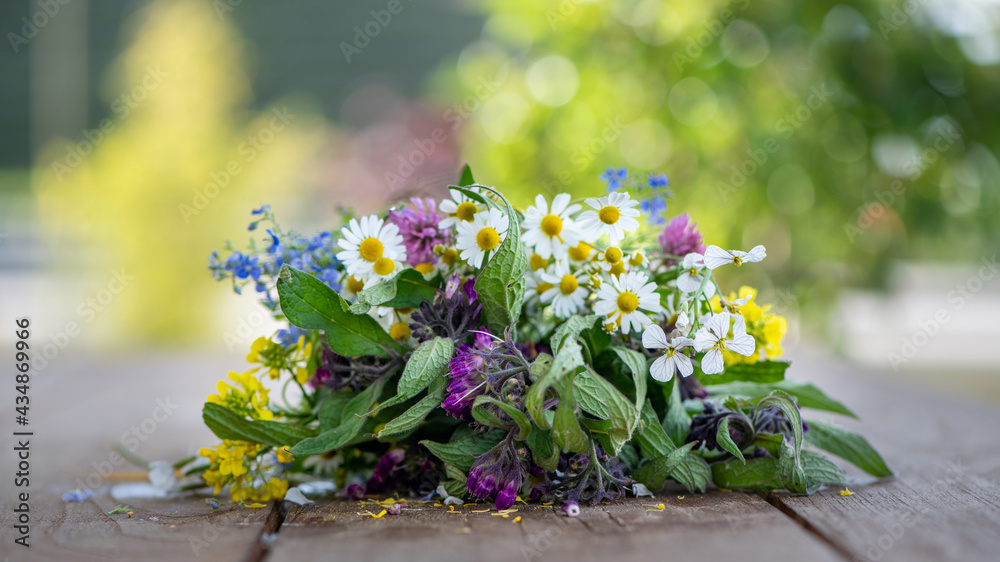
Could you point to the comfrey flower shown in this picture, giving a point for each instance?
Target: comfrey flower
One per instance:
(498, 474)
(623, 300)
(468, 377)
(613, 215)
(672, 359)
(420, 231)
(717, 257)
(680, 237)
(452, 314)
(711, 338)
(550, 231)
(372, 248)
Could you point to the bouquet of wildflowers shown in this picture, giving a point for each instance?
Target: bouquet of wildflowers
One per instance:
(469, 349)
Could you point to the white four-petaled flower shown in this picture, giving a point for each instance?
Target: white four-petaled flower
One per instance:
(717, 257)
(691, 275)
(672, 359)
(711, 339)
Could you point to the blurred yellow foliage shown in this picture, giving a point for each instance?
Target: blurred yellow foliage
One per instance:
(173, 171)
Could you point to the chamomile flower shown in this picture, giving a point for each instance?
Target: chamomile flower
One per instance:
(623, 300)
(717, 257)
(711, 338)
(479, 239)
(458, 209)
(372, 248)
(613, 215)
(691, 275)
(672, 359)
(567, 294)
(611, 261)
(550, 231)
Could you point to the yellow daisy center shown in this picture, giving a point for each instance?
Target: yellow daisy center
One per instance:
(370, 249)
(627, 302)
(552, 225)
(399, 331)
(568, 285)
(538, 262)
(542, 287)
(612, 255)
(384, 266)
(450, 256)
(636, 259)
(355, 285)
(466, 211)
(488, 239)
(580, 252)
(424, 268)
(609, 214)
(618, 268)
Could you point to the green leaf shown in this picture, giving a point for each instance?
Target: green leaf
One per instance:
(807, 395)
(759, 372)
(426, 364)
(351, 421)
(543, 450)
(566, 430)
(332, 409)
(793, 476)
(540, 366)
(466, 177)
(655, 472)
(308, 303)
(604, 400)
(462, 453)
(227, 424)
(567, 361)
(570, 328)
(820, 470)
(693, 473)
(596, 338)
(726, 441)
(677, 422)
(786, 404)
(417, 413)
(408, 289)
(500, 285)
(769, 442)
(636, 363)
(487, 418)
(653, 441)
(849, 446)
(758, 474)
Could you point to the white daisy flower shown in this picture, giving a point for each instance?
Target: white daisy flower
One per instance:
(567, 294)
(372, 248)
(621, 300)
(711, 338)
(672, 359)
(458, 209)
(477, 240)
(691, 275)
(612, 215)
(717, 257)
(550, 231)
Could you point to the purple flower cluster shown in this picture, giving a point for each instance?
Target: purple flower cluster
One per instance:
(468, 375)
(419, 228)
(452, 314)
(497, 474)
(680, 237)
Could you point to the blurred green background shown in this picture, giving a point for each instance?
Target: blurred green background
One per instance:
(847, 137)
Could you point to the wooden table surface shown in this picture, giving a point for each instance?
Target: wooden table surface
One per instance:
(943, 505)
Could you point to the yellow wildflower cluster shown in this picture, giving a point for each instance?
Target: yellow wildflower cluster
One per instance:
(767, 328)
(249, 398)
(273, 358)
(233, 464)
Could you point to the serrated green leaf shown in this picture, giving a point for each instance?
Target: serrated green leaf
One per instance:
(417, 413)
(351, 421)
(759, 372)
(428, 363)
(567, 361)
(462, 453)
(726, 441)
(693, 473)
(543, 449)
(569, 328)
(849, 446)
(498, 287)
(601, 398)
(487, 418)
(655, 472)
(808, 395)
(308, 303)
(820, 470)
(227, 424)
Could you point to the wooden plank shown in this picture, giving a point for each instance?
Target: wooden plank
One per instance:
(944, 503)
(706, 526)
(183, 529)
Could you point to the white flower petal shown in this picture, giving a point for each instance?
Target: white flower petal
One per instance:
(654, 338)
(717, 257)
(711, 363)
